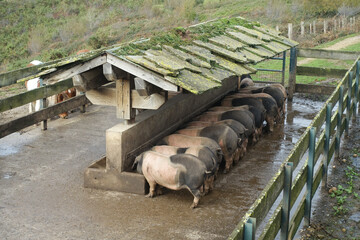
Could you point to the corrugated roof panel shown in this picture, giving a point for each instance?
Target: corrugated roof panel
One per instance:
(227, 42)
(236, 56)
(194, 83)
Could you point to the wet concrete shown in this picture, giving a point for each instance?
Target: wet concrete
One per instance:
(42, 194)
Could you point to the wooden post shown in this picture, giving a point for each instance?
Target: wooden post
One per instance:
(290, 30)
(292, 73)
(310, 28)
(42, 106)
(348, 104)
(314, 27)
(277, 28)
(124, 109)
(357, 87)
(339, 120)
(343, 22)
(325, 26)
(285, 210)
(302, 28)
(309, 181)
(334, 28)
(326, 158)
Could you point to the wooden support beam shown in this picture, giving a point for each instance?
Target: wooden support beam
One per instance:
(124, 109)
(43, 114)
(90, 79)
(113, 73)
(327, 54)
(73, 71)
(320, 72)
(141, 101)
(142, 73)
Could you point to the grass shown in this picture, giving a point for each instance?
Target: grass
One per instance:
(321, 63)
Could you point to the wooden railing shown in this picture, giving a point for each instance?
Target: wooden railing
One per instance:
(33, 95)
(346, 97)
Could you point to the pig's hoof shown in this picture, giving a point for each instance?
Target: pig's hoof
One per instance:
(150, 195)
(225, 171)
(159, 192)
(194, 205)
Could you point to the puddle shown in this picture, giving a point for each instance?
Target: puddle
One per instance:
(7, 175)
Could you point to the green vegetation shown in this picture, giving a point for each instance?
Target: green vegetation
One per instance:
(48, 30)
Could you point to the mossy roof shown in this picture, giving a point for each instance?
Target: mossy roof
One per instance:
(200, 57)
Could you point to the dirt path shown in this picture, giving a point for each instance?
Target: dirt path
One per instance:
(337, 46)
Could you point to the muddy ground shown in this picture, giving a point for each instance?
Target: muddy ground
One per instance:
(336, 214)
(42, 194)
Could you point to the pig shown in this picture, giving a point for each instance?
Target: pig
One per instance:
(272, 113)
(238, 128)
(175, 172)
(203, 153)
(239, 115)
(223, 135)
(276, 93)
(180, 140)
(258, 112)
(247, 82)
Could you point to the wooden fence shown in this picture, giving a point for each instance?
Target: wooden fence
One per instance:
(42, 115)
(327, 145)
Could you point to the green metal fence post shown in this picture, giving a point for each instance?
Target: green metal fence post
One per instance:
(285, 210)
(249, 229)
(292, 73)
(309, 181)
(283, 69)
(43, 105)
(348, 104)
(338, 126)
(326, 158)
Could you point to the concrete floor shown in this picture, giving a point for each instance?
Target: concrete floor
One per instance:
(42, 194)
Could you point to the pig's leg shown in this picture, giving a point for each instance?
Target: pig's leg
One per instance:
(152, 191)
(197, 195)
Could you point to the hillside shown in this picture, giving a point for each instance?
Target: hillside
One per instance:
(48, 30)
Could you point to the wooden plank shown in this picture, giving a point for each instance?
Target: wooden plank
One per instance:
(194, 83)
(154, 101)
(297, 218)
(327, 54)
(165, 62)
(217, 74)
(315, 89)
(227, 42)
(238, 69)
(273, 226)
(102, 96)
(259, 52)
(172, 57)
(90, 79)
(200, 52)
(236, 56)
(255, 33)
(80, 68)
(43, 114)
(251, 57)
(38, 93)
(142, 73)
(124, 108)
(12, 77)
(320, 72)
(245, 38)
(187, 57)
(151, 65)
